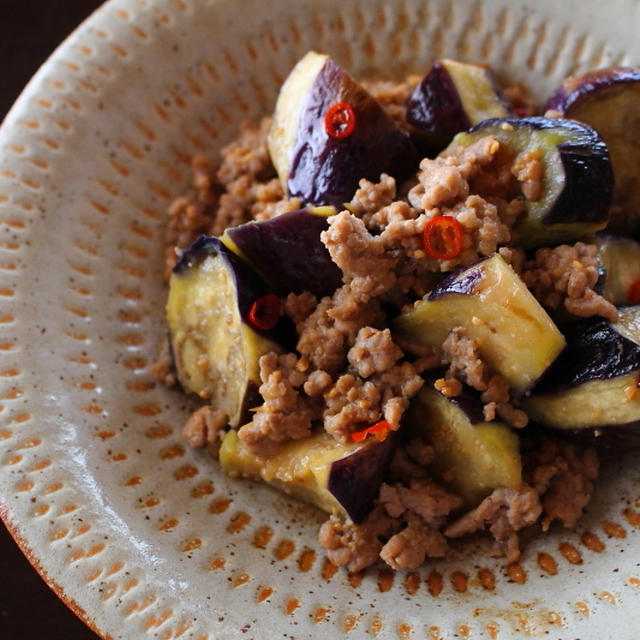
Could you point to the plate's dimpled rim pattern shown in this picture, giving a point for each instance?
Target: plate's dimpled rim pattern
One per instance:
(142, 535)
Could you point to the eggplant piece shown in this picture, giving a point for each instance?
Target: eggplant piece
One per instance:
(320, 168)
(287, 252)
(577, 182)
(339, 478)
(452, 97)
(607, 100)
(473, 457)
(215, 348)
(594, 383)
(619, 260)
(515, 335)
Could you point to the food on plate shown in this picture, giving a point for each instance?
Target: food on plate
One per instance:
(490, 304)
(342, 478)
(594, 383)
(409, 345)
(221, 319)
(450, 98)
(328, 132)
(563, 173)
(472, 455)
(287, 252)
(607, 100)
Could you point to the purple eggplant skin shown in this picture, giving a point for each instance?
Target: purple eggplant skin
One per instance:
(578, 89)
(577, 182)
(287, 252)
(325, 170)
(595, 351)
(607, 100)
(354, 480)
(435, 108)
(249, 285)
(593, 384)
(463, 281)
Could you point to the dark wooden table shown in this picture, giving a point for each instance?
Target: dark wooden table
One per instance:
(29, 31)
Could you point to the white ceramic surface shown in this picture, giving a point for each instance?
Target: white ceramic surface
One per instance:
(143, 537)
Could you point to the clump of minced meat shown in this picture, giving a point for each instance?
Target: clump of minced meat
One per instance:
(348, 372)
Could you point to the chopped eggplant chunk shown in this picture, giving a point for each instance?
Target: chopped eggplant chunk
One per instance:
(328, 133)
(287, 252)
(220, 318)
(619, 259)
(576, 181)
(594, 383)
(452, 97)
(473, 457)
(607, 100)
(341, 479)
(515, 336)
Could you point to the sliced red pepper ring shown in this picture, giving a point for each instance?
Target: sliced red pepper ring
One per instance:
(633, 295)
(442, 238)
(380, 430)
(340, 120)
(265, 312)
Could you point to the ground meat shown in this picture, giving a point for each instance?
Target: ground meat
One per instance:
(385, 217)
(393, 97)
(318, 383)
(563, 475)
(372, 196)
(444, 188)
(365, 264)
(326, 335)
(351, 404)
(247, 154)
(445, 179)
(252, 189)
(427, 500)
(566, 275)
(192, 214)
(285, 414)
(408, 548)
(529, 171)
(464, 360)
(356, 546)
(373, 352)
(463, 356)
(162, 369)
(299, 306)
(205, 427)
(514, 257)
(449, 388)
(481, 221)
(505, 511)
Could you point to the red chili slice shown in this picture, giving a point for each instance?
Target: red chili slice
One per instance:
(442, 238)
(380, 430)
(265, 312)
(633, 295)
(340, 120)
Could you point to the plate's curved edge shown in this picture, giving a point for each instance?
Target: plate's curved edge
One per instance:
(31, 89)
(68, 601)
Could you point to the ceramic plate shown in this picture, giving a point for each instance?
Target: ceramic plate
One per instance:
(140, 535)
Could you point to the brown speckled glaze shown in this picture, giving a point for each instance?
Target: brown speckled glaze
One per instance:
(141, 536)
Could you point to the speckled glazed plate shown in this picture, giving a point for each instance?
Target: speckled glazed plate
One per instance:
(138, 534)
